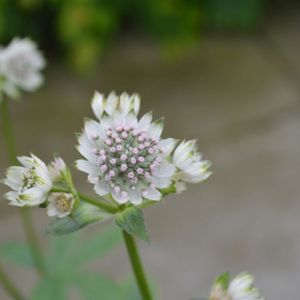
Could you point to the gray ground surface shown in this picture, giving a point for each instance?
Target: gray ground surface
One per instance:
(240, 98)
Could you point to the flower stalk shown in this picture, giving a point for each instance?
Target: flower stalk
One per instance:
(9, 286)
(137, 266)
(24, 212)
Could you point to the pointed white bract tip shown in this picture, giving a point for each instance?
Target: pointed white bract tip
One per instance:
(97, 104)
(56, 168)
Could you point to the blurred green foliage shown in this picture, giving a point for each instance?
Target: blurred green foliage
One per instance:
(66, 261)
(82, 29)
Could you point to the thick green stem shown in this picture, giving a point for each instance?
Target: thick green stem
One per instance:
(103, 205)
(9, 286)
(24, 212)
(137, 266)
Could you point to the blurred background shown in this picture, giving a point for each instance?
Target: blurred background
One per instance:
(226, 72)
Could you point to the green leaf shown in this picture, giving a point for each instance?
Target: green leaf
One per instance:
(49, 288)
(132, 221)
(18, 253)
(83, 215)
(94, 286)
(96, 246)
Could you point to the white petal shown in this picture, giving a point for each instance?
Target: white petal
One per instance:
(135, 197)
(98, 105)
(145, 121)
(156, 129)
(167, 145)
(165, 169)
(101, 189)
(111, 103)
(153, 194)
(125, 103)
(136, 103)
(87, 167)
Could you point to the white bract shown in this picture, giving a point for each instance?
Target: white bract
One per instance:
(240, 288)
(20, 66)
(56, 168)
(60, 204)
(30, 183)
(127, 158)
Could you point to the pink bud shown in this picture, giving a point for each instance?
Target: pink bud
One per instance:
(150, 150)
(102, 151)
(124, 135)
(95, 151)
(141, 146)
(135, 150)
(112, 173)
(130, 175)
(119, 148)
(113, 161)
(108, 142)
(123, 167)
(118, 140)
(141, 159)
(140, 171)
(123, 157)
(113, 149)
(119, 128)
(133, 160)
(126, 127)
(103, 168)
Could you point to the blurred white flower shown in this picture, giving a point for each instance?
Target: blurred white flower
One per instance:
(56, 168)
(127, 158)
(30, 183)
(20, 66)
(60, 205)
(240, 288)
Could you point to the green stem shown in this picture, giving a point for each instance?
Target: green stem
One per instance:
(103, 205)
(137, 266)
(24, 212)
(9, 286)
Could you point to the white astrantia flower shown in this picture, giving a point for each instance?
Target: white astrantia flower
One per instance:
(60, 205)
(188, 161)
(20, 66)
(240, 288)
(30, 183)
(127, 158)
(56, 168)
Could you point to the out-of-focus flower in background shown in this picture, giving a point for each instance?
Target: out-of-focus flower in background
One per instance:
(239, 288)
(20, 67)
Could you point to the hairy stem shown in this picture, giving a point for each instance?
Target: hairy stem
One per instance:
(24, 212)
(9, 286)
(137, 266)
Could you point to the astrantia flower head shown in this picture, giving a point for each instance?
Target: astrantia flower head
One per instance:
(126, 157)
(60, 204)
(20, 66)
(240, 288)
(30, 183)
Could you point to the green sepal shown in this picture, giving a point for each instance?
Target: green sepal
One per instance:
(169, 190)
(132, 221)
(83, 215)
(223, 280)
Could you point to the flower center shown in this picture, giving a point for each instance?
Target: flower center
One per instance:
(63, 203)
(29, 179)
(127, 157)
